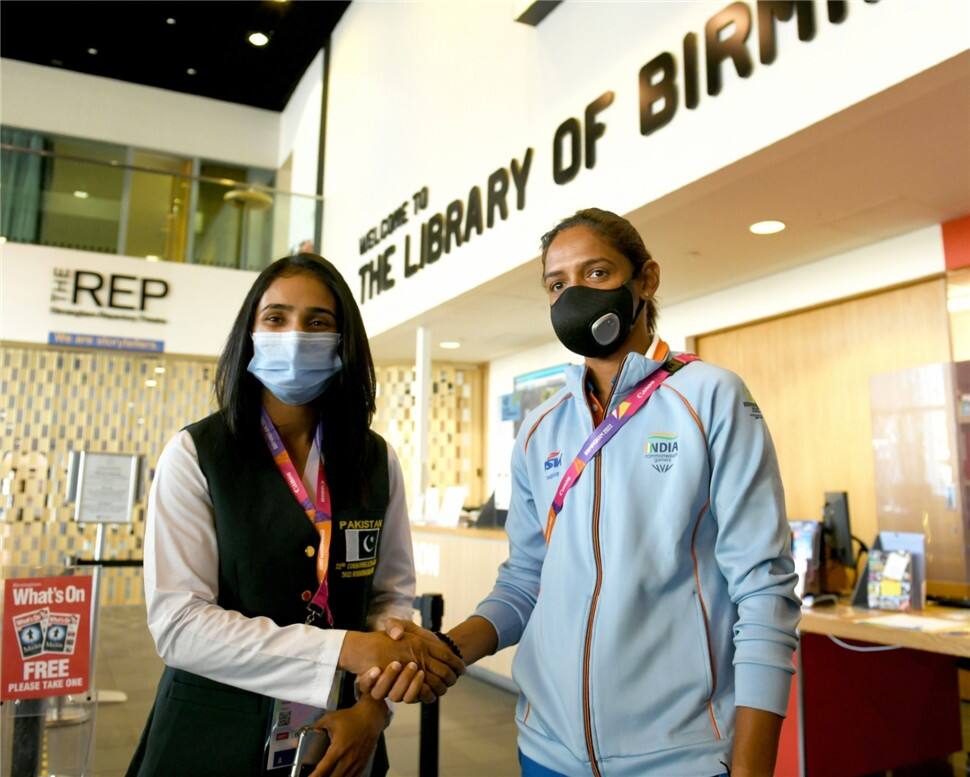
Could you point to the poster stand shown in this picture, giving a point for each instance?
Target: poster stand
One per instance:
(104, 488)
(47, 710)
(49, 633)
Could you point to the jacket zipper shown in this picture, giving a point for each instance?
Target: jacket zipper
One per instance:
(587, 713)
(587, 649)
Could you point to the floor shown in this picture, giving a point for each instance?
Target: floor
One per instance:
(477, 731)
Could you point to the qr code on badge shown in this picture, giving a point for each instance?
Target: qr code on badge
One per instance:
(284, 718)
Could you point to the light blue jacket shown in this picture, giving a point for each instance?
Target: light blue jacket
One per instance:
(666, 594)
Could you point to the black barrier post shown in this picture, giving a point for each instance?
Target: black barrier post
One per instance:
(432, 609)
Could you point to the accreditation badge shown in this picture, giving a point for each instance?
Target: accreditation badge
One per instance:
(285, 722)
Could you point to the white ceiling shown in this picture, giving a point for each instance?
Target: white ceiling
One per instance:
(895, 162)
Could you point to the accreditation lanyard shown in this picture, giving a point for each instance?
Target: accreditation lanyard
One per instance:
(615, 420)
(319, 512)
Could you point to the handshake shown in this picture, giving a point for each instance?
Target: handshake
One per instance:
(402, 663)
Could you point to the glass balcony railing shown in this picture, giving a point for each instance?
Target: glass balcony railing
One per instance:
(162, 210)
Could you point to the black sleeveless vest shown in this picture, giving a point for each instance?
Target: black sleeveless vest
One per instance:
(267, 567)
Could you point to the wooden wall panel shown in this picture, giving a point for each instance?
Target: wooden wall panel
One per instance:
(809, 372)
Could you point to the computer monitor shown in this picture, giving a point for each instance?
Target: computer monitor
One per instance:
(490, 516)
(836, 528)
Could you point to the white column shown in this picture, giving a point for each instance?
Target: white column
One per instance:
(420, 474)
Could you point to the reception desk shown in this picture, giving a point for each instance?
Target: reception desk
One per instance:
(461, 564)
(871, 697)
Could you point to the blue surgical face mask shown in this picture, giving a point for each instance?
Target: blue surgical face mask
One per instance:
(295, 366)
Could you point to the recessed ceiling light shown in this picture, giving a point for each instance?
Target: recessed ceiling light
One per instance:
(159, 370)
(151, 383)
(190, 71)
(92, 52)
(450, 345)
(151, 257)
(81, 195)
(258, 39)
(170, 20)
(767, 227)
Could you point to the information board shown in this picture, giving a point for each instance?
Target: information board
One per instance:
(107, 487)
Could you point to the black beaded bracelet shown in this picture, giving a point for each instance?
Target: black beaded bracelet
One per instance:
(450, 643)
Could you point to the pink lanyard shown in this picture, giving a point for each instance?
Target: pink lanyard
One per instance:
(602, 434)
(319, 513)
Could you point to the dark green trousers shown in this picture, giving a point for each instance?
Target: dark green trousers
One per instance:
(201, 728)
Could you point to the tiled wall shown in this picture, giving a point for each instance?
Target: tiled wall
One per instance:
(55, 401)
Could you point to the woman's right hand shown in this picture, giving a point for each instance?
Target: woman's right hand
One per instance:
(362, 651)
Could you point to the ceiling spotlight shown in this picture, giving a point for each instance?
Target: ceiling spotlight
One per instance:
(152, 258)
(767, 227)
(190, 71)
(81, 195)
(159, 370)
(258, 39)
(450, 345)
(92, 52)
(150, 383)
(170, 20)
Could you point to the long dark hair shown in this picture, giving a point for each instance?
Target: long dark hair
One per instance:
(619, 233)
(346, 407)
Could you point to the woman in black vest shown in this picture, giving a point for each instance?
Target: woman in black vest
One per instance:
(277, 540)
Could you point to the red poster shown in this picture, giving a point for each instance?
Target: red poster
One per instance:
(46, 637)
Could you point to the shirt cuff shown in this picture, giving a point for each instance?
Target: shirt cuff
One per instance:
(327, 669)
(505, 620)
(762, 687)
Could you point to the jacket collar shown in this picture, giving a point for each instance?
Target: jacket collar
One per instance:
(635, 368)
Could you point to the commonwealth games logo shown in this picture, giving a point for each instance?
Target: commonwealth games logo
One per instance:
(661, 450)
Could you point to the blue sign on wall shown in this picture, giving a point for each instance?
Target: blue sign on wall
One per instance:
(106, 342)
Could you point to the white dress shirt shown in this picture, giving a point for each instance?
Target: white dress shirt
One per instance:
(192, 632)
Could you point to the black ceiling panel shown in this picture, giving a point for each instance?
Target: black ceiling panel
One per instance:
(134, 42)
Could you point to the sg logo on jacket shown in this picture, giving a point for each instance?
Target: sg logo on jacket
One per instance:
(661, 451)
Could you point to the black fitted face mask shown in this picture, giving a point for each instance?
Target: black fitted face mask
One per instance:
(595, 322)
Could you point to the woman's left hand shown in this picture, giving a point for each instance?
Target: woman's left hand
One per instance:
(353, 737)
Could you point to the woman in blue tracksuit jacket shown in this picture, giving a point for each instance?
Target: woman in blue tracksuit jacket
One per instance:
(655, 614)
(656, 626)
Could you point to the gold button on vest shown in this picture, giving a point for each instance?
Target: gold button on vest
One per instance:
(310, 551)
